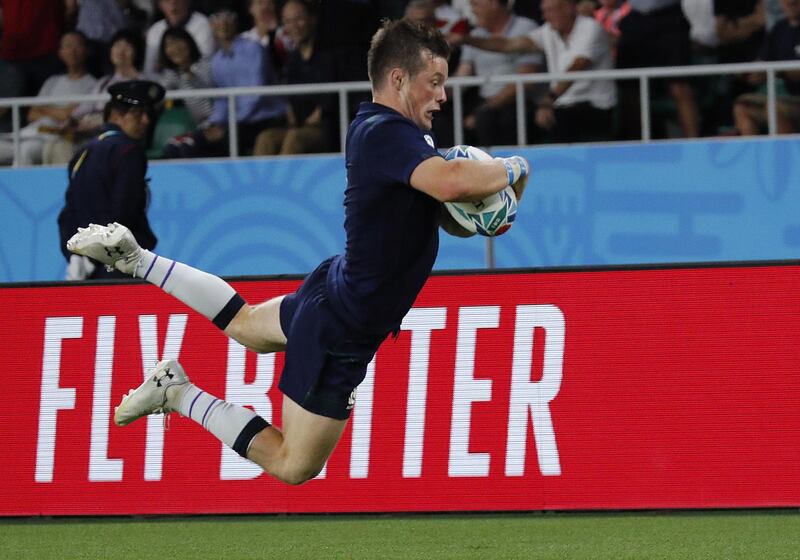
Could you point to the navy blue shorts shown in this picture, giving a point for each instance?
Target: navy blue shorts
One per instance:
(325, 359)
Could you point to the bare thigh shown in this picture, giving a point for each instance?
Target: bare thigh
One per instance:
(301, 450)
(258, 327)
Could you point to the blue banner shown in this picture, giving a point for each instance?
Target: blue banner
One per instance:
(716, 200)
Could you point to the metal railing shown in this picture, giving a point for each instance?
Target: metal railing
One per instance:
(457, 86)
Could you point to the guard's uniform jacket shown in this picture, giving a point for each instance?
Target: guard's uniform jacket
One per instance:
(107, 184)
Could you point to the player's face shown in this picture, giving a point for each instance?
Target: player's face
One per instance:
(423, 93)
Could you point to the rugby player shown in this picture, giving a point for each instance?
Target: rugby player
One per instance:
(332, 326)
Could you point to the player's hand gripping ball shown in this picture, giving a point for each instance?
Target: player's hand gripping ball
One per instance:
(490, 216)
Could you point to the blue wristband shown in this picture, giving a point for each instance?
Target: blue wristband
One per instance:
(509, 171)
(516, 168)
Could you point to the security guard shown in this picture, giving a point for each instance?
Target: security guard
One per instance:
(107, 178)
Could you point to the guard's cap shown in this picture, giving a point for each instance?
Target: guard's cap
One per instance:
(137, 93)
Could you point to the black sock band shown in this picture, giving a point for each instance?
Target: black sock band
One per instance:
(248, 433)
(228, 312)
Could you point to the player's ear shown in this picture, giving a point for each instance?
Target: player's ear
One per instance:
(397, 77)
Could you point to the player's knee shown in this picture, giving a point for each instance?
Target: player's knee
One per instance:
(243, 330)
(299, 475)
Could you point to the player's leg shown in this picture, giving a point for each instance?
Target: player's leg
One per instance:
(256, 327)
(293, 455)
(167, 389)
(299, 452)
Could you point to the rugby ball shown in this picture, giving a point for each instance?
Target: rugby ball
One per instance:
(491, 216)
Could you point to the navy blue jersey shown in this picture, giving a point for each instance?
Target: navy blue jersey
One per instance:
(391, 228)
(107, 184)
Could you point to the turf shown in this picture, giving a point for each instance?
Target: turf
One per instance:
(690, 535)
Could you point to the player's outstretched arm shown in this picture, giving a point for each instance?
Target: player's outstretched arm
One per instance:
(465, 179)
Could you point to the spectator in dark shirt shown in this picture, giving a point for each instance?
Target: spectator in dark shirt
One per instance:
(309, 116)
(740, 28)
(655, 33)
(268, 31)
(609, 14)
(781, 43)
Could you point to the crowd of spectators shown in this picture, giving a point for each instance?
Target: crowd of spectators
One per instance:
(74, 47)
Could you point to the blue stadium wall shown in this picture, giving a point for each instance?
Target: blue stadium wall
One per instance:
(720, 200)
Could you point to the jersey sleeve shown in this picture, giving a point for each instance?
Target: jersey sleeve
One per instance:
(395, 149)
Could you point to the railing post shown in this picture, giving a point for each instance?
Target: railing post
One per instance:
(344, 119)
(772, 113)
(458, 115)
(522, 126)
(644, 106)
(233, 129)
(15, 126)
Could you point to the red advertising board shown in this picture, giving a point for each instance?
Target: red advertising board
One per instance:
(583, 389)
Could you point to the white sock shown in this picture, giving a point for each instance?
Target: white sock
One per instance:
(233, 425)
(207, 294)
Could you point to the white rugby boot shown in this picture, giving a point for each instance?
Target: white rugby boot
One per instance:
(151, 396)
(113, 245)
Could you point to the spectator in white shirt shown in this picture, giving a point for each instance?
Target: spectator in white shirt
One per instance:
(46, 121)
(184, 69)
(177, 13)
(492, 120)
(571, 111)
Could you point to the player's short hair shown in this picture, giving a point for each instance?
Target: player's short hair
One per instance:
(398, 44)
